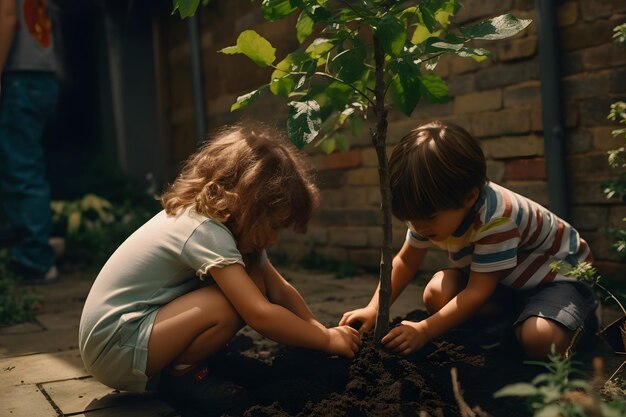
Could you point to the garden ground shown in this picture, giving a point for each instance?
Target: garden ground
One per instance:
(41, 373)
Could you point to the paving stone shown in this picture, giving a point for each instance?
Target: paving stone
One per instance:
(86, 394)
(25, 401)
(139, 409)
(58, 321)
(20, 328)
(39, 342)
(40, 368)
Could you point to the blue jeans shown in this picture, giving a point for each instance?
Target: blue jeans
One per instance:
(28, 100)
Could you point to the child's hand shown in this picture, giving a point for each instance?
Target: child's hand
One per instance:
(366, 316)
(405, 338)
(344, 341)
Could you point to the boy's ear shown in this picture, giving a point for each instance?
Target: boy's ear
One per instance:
(472, 197)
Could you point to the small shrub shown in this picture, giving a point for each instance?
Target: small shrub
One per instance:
(94, 227)
(556, 393)
(16, 304)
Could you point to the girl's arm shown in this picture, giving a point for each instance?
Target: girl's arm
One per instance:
(277, 322)
(410, 336)
(279, 291)
(405, 265)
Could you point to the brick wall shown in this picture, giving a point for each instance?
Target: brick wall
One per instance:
(497, 100)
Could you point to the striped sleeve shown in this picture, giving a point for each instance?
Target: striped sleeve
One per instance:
(495, 246)
(416, 240)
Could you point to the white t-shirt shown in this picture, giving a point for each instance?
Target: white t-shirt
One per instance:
(158, 263)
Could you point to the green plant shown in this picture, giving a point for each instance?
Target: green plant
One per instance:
(556, 393)
(356, 60)
(616, 188)
(585, 272)
(89, 212)
(16, 304)
(94, 227)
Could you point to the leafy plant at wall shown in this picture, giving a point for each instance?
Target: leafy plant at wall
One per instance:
(355, 61)
(616, 188)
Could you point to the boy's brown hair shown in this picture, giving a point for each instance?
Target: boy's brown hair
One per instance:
(249, 177)
(434, 167)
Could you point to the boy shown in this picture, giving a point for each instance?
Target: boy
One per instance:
(494, 238)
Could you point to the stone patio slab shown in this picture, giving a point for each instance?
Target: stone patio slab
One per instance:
(39, 342)
(40, 368)
(25, 401)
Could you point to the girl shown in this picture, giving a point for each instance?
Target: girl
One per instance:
(178, 289)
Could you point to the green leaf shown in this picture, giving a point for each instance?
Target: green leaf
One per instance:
(328, 145)
(552, 410)
(282, 86)
(441, 45)
(254, 46)
(303, 122)
(580, 383)
(427, 15)
(320, 13)
(186, 8)
(405, 87)
(392, 34)
(349, 64)
(342, 142)
(319, 47)
(420, 34)
(520, 389)
(499, 27)
(298, 61)
(449, 8)
(343, 116)
(246, 99)
(339, 94)
(304, 26)
(434, 88)
(276, 9)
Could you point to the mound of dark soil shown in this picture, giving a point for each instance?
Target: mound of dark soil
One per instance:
(304, 383)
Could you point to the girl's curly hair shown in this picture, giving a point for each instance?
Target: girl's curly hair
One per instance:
(250, 178)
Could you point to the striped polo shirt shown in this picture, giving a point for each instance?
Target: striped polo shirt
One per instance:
(505, 231)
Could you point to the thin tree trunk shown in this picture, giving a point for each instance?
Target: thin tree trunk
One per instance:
(379, 140)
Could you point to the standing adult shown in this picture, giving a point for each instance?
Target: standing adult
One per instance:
(28, 99)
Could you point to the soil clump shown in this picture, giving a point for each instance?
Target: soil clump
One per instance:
(291, 382)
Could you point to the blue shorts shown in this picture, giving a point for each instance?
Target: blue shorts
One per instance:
(568, 303)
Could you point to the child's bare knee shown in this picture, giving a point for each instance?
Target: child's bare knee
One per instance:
(433, 296)
(537, 336)
(441, 288)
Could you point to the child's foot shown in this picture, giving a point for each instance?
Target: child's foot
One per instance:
(197, 388)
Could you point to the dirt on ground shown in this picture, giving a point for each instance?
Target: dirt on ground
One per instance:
(288, 382)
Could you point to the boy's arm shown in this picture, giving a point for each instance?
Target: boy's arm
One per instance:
(410, 336)
(405, 265)
(277, 322)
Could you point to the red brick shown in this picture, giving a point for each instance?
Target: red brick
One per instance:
(604, 56)
(343, 160)
(586, 35)
(567, 14)
(525, 169)
(518, 48)
(480, 101)
(594, 9)
(507, 121)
